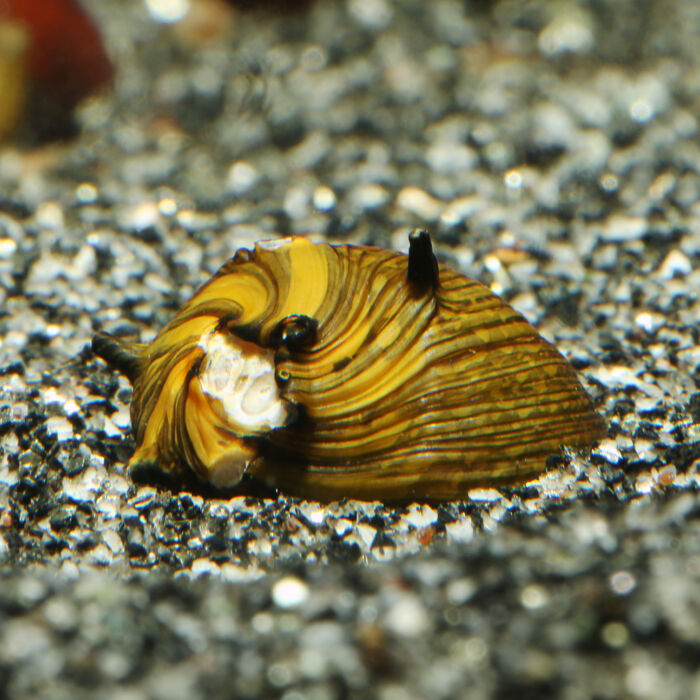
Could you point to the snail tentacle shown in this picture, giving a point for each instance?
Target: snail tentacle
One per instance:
(123, 356)
(295, 332)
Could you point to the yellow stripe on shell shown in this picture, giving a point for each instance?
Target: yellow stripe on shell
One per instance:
(307, 279)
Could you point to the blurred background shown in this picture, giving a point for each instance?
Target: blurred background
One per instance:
(551, 149)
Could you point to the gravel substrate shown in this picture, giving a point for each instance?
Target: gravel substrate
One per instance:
(552, 151)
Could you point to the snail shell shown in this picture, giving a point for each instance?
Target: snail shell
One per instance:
(335, 371)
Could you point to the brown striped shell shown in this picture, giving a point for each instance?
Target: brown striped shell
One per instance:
(333, 371)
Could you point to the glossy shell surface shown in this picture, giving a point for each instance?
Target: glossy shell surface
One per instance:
(383, 376)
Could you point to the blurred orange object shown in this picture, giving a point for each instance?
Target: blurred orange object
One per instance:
(66, 59)
(13, 57)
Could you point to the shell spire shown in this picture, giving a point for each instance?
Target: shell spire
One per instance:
(333, 371)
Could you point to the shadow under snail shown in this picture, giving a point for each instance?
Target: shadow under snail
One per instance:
(331, 371)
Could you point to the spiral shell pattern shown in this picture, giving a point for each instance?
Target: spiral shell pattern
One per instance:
(366, 374)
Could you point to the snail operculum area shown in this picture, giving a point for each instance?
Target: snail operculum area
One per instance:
(241, 377)
(237, 378)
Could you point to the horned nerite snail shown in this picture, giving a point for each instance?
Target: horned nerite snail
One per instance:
(332, 371)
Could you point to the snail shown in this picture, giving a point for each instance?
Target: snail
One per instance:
(331, 371)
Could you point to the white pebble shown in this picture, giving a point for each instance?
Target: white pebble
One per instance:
(420, 203)
(676, 263)
(619, 228)
(407, 617)
(290, 592)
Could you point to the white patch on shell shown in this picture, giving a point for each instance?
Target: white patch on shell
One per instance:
(243, 379)
(274, 243)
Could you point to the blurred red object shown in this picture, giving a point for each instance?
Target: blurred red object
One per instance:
(66, 58)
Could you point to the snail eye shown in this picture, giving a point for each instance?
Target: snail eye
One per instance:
(295, 332)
